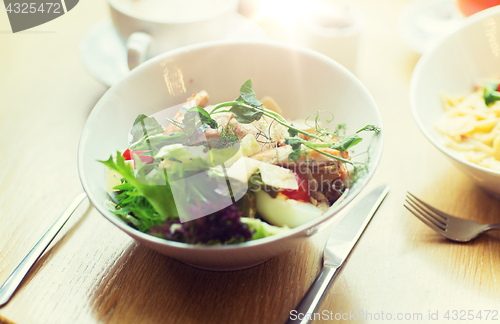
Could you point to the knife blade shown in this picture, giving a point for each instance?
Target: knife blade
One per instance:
(338, 247)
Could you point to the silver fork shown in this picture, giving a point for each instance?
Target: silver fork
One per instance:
(451, 227)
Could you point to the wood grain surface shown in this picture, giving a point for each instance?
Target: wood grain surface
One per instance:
(93, 273)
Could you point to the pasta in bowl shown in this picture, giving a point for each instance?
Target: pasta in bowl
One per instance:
(449, 106)
(471, 125)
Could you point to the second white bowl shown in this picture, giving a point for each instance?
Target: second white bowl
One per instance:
(455, 66)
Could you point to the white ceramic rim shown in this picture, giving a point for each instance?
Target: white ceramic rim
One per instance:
(249, 244)
(223, 9)
(416, 75)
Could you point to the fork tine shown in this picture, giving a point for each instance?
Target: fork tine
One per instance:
(426, 215)
(424, 220)
(437, 211)
(427, 212)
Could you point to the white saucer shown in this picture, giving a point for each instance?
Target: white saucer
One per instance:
(104, 55)
(423, 22)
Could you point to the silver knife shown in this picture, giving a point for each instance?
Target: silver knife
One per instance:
(337, 249)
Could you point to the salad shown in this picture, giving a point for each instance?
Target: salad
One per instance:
(231, 172)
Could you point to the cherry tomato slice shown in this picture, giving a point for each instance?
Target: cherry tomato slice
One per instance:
(127, 155)
(302, 193)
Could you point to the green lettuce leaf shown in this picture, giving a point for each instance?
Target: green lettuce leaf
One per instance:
(490, 92)
(144, 126)
(130, 203)
(152, 187)
(262, 229)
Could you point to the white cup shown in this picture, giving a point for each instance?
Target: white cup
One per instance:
(151, 27)
(333, 30)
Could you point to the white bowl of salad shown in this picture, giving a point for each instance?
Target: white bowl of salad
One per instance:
(223, 155)
(455, 98)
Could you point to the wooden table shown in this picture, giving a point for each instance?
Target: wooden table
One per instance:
(93, 273)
